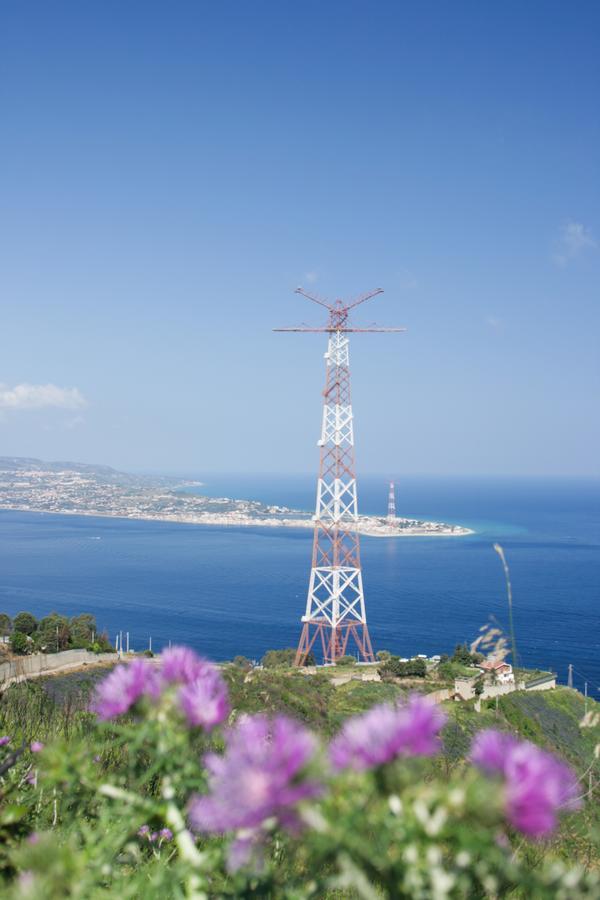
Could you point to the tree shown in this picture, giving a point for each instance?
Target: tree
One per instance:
(25, 623)
(395, 668)
(277, 659)
(19, 643)
(83, 629)
(479, 686)
(462, 655)
(346, 661)
(54, 633)
(5, 624)
(382, 655)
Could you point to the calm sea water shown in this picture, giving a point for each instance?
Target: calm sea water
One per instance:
(227, 591)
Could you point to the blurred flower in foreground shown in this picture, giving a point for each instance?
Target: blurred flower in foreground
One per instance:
(37, 747)
(260, 776)
(181, 664)
(205, 700)
(385, 732)
(537, 785)
(203, 696)
(4, 740)
(124, 687)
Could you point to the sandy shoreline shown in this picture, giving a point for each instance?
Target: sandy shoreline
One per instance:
(369, 526)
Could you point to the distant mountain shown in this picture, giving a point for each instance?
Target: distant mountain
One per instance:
(102, 473)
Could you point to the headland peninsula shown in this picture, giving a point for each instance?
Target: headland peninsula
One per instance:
(69, 488)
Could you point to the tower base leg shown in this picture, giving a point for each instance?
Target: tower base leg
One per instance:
(333, 642)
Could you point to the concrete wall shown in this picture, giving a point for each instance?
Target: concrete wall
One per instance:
(23, 667)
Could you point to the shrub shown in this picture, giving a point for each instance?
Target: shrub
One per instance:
(19, 643)
(346, 661)
(242, 662)
(395, 668)
(275, 659)
(5, 624)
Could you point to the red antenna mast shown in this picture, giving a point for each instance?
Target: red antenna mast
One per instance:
(335, 605)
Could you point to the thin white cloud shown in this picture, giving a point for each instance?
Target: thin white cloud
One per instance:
(574, 240)
(311, 277)
(39, 396)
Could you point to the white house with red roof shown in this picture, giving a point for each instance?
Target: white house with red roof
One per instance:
(502, 670)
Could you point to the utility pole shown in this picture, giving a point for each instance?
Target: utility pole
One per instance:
(335, 605)
(150, 643)
(570, 676)
(127, 642)
(585, 695)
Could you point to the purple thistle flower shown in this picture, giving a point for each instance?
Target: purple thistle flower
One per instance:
(490, 749)
(537, 785)
(31, 778)
(386, 732)
(143, 831)
(260, 776)
(33, 838)
(4, 740)
(153, 837)
(181, 664)
(124, 687)
(205, 700)
(165, 834)
(36, 747)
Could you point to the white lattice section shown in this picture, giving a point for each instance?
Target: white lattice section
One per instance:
(336, 500)
(337, 425)
(338, 350)
(335, 594)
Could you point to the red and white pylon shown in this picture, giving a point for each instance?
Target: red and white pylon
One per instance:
(391, 502)
(335, 605)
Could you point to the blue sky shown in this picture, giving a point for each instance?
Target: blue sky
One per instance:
(171, 171)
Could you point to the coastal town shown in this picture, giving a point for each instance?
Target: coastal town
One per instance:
(80, 489)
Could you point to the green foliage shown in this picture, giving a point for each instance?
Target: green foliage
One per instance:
(83, 629)
(275, 659)
(426, 829)
(449, 670)
(53, 634)
(242, 662)
(479, 686)
(463, 655)
(19, 643)
(395, 668)
(383, 655)
(25, 623)
(346, 661)
(5, 624)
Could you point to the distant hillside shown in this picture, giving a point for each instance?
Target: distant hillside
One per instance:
(105, 474)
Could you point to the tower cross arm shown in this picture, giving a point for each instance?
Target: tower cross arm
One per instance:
(333, 328)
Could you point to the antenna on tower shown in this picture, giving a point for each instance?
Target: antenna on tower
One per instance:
(335, 605)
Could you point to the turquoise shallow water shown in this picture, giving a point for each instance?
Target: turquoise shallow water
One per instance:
(228, 591)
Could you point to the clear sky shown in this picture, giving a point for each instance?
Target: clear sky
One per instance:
(171, 171)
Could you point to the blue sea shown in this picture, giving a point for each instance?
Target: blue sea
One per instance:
(228, 591)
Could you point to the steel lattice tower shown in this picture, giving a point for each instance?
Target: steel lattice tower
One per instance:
(335, 605)
(391, 502)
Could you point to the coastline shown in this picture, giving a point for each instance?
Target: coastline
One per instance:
(368, 526)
